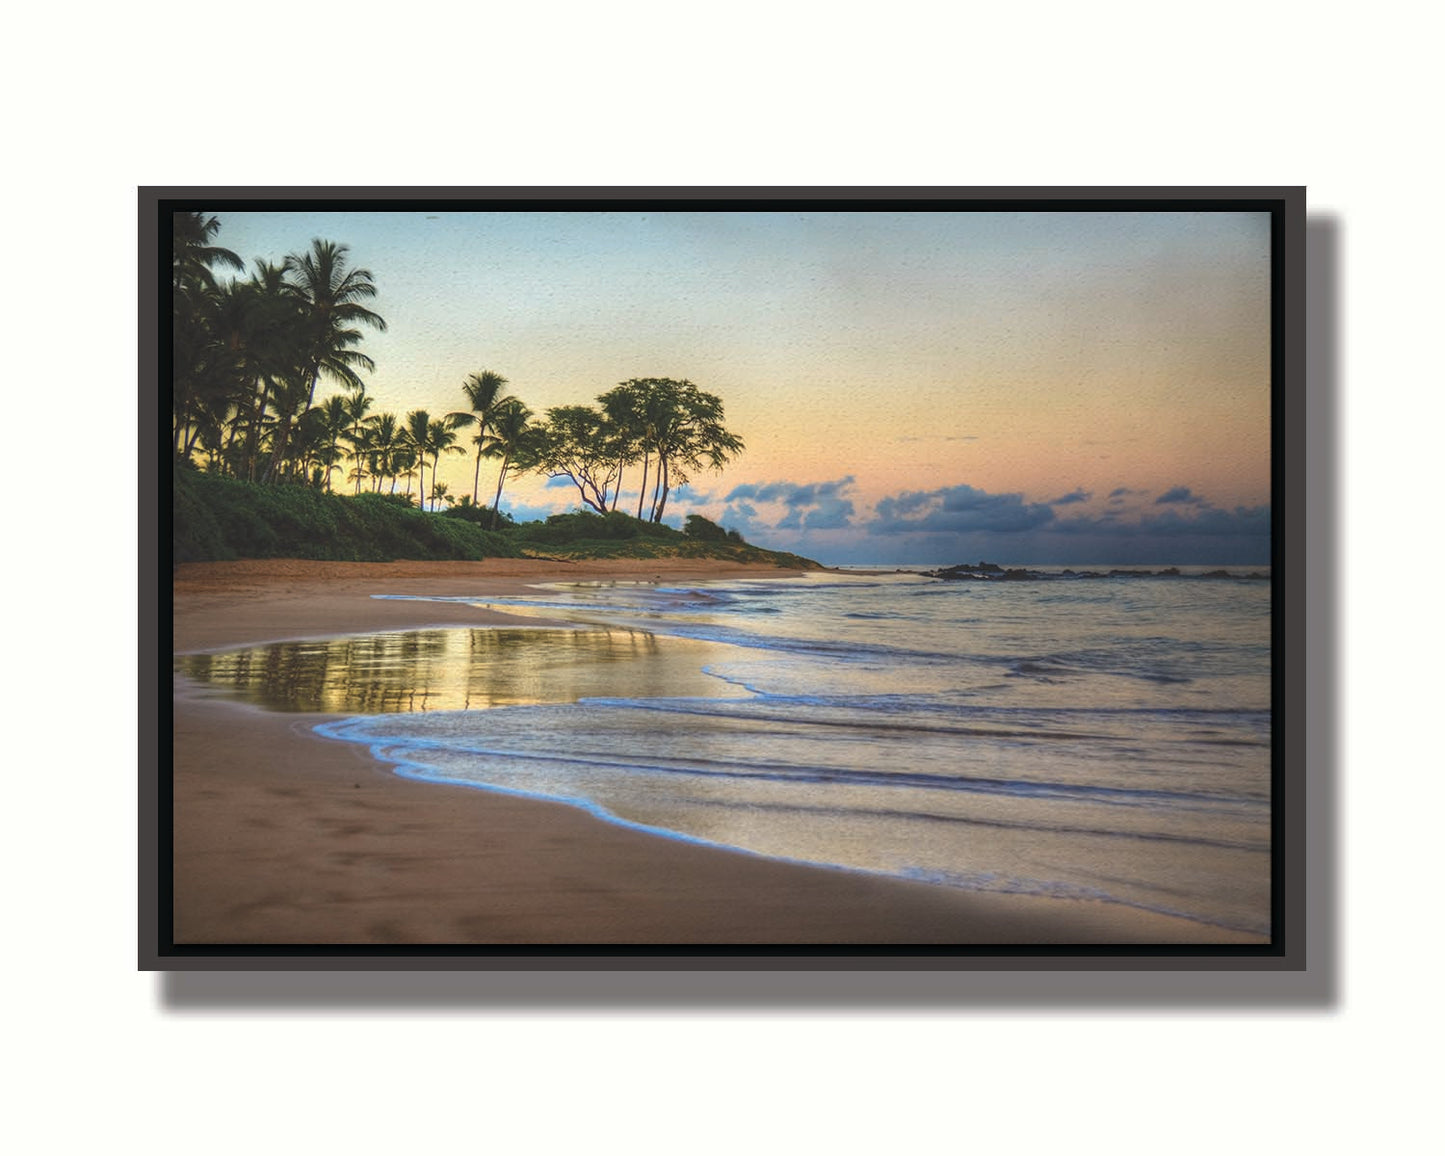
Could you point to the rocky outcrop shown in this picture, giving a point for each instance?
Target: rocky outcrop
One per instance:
(991, 572)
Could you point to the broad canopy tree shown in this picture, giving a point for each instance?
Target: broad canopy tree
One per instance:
(579, 443)
(679, 429)
(672, 427)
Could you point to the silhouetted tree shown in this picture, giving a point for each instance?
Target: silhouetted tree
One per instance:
(485, 391)
(514, 441)
(576, 443)
(332, 294)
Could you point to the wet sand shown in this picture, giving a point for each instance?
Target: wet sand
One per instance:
(283, 837)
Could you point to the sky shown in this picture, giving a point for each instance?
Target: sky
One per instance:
(924, 387)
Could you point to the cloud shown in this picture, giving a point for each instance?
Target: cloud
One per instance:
(742, 517)
(807, 505)
(906, 503)
(524, 512)
(1179, 495)
(790, 493)
(963, 521)
(1174, 535)
(958, 509)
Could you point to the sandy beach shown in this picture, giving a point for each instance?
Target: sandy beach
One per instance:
(283, 837)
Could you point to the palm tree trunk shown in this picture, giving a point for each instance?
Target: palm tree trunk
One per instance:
(497, 501)
(253, 436)
(231, 437)
(278, 456)
(311, 393)
(477, 476)
(192, 437)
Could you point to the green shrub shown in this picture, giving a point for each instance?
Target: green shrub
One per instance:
(479, 516)
(703, 529)
(217, 519)
(585, 526)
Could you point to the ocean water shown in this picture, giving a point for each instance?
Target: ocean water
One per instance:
(1104, 738)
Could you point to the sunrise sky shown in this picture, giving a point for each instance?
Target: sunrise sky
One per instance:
(1023, 387)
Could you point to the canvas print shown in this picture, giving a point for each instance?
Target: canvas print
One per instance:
(663, 576)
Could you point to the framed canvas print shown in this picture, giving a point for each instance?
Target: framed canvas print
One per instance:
(675, 578)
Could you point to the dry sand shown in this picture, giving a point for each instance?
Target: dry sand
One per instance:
(283, 837)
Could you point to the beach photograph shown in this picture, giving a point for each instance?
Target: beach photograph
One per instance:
(755, 577)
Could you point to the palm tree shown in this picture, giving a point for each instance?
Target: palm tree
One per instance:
(288, 392)
(314, 445)
(356, 404)
(511, 438)
(263, 323)
(403, 463)
(201, 363)
(332, 294)
(208, 431)
(334, 421)
(485, 391)
(441, 439)
(384, 438)
(418, 441)
(192, 253)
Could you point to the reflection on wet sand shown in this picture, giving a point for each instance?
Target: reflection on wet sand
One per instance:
(459, 669)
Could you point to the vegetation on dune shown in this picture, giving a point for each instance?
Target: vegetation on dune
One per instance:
(585, 535)
(257, 452)
(221, 519)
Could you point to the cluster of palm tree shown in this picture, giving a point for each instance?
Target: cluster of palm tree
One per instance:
(249, 353)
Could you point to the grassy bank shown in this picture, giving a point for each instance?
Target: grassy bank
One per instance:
(216, 519)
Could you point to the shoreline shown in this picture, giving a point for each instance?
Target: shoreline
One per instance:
(283, 836)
